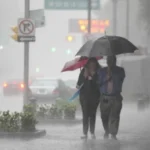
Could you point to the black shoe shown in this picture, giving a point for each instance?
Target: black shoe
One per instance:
(84, 137)
(113, 137)
(106, 136)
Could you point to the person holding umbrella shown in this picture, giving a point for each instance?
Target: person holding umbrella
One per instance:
(111, 98)
(110, 78)
(89, 95)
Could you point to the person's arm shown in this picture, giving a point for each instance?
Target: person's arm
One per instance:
(122, 74)
(81, 79)
(99, 76)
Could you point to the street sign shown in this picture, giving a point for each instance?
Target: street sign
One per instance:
(38, 17)
(71, 4)
(88, 36)
(81, 26)
(26, 30)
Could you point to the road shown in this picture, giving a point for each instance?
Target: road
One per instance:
(12, 103)
(134, 132)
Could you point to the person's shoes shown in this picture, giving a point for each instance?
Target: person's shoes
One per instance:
(93, 136)
(106, 136)
(84, 137)
(113, 137)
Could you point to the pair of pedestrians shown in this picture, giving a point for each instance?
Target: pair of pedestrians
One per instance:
(104, 86)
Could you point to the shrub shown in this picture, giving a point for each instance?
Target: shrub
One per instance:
(14, 122)
(28, 118)
(28, 121)
(70, 111)
(42, 111)
(55, 112)
(29, 108)
(9, 122)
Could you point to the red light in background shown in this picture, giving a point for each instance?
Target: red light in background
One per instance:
(22, 86)
(5, 84)
(56, 91)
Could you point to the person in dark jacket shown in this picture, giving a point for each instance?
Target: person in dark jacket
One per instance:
(89, 96)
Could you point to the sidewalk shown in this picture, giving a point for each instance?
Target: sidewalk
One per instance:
(134, 134)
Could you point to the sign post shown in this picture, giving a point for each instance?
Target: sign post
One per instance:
(26, 57)
(89, 16)
(26, 30)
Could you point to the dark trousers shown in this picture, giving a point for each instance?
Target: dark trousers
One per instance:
(110, 108)
(89, 108)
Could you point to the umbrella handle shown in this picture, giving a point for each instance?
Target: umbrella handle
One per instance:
(108, 40)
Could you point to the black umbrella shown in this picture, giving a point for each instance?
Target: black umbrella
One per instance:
(106, 46)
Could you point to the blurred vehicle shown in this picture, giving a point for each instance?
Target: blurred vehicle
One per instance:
(143, 102)
(13, 87)
(72, 85)
(48, 89)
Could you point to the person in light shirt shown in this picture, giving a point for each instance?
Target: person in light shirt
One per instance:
(111, 79)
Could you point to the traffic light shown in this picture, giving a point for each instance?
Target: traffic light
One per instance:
(37, 69)
(15, 35)
(1, 47)
(53, 49)
(82, 27)
(69, 38)
(68, 51)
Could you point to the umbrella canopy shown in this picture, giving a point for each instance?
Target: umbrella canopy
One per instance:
(106, 46)
(76, 64)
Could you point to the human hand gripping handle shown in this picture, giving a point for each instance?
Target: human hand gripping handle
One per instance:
(87, 74)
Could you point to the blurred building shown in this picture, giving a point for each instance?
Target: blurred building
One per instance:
(136, 32)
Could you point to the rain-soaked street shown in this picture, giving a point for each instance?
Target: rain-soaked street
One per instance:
(134, 133)
(44, 47)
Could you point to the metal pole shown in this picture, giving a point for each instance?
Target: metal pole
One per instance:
(127, 19)
(89, 16)
(26, 56)
(114, 16)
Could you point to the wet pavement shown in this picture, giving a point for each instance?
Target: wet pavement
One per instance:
(134, 134)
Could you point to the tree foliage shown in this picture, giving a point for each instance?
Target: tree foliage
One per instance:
(144, 13)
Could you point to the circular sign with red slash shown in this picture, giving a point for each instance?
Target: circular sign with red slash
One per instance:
(26, 27)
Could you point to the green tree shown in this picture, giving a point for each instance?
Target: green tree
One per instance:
(144, 14)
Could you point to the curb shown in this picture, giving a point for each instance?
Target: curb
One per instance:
(35, 134)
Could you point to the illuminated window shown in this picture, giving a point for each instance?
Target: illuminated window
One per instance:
(107, 23)
(102, 30)
(81, 22)
(83, 27)
(85, 31)
(86, 22)
(101, 23)
(94, 22)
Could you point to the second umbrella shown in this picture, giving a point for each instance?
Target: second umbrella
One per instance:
(76, 64)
